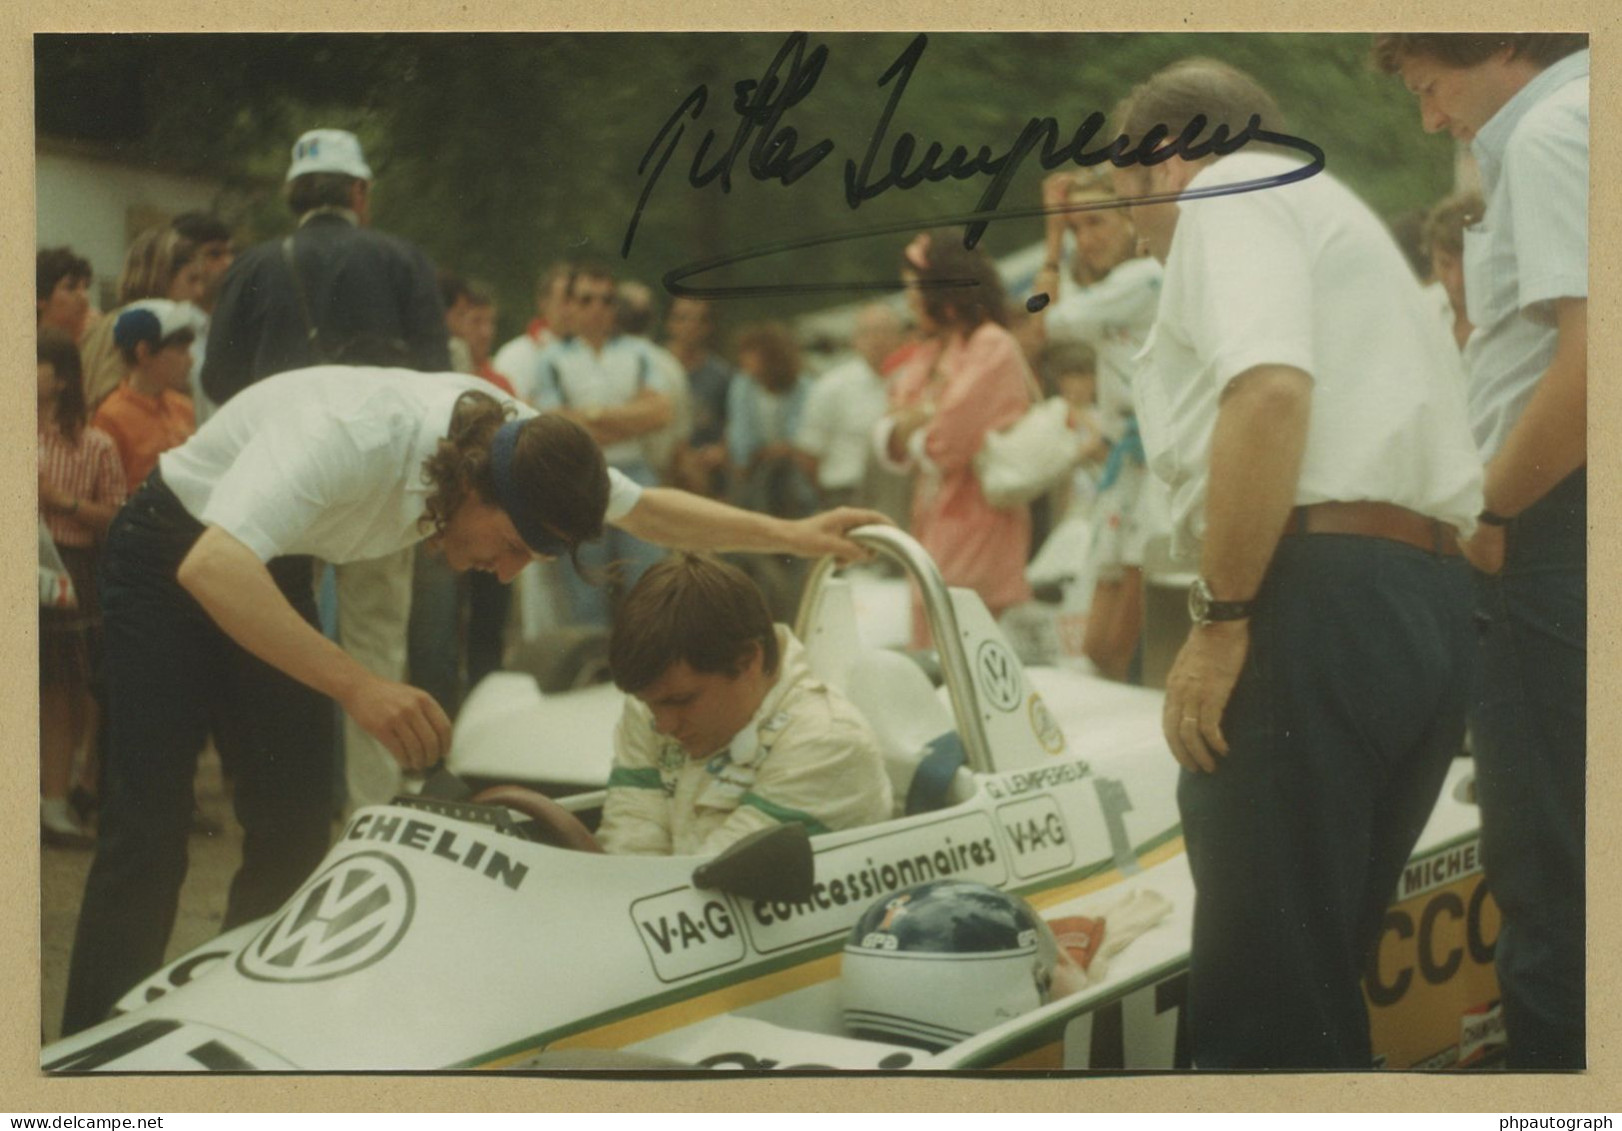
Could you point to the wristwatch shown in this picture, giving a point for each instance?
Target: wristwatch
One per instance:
(1206, 609)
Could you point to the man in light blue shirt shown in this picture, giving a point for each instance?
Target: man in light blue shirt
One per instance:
(607, 383)
(1521, 102)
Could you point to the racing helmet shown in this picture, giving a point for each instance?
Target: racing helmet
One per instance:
(936, 963)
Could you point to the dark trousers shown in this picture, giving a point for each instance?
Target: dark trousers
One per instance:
(433, 634)
(1528, 734)
(488, 603)
(173, 678)
(1348, 711)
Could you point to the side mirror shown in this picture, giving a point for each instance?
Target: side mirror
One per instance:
(772, 864)
(442, 785)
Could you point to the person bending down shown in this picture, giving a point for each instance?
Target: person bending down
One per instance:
(210, 620)
(725, 730)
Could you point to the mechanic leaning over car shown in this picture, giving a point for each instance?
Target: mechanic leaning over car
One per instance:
(210, 624)
(1308, 413)
(725, 730)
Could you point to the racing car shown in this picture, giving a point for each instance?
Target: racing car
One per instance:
(448, 931)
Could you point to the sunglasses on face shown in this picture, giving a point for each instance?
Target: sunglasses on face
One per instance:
(590, 299)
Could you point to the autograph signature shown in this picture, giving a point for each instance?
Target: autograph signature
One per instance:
(774, 154)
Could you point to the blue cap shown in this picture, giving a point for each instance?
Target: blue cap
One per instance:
(153, 321)
(530, 528)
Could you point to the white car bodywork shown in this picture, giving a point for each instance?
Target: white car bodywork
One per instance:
(430, 939)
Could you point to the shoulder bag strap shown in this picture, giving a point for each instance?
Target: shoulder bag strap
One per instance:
(310, 329)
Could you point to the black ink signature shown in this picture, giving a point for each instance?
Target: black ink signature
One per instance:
(760, 107)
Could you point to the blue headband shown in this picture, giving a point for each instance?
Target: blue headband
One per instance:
(536, 536)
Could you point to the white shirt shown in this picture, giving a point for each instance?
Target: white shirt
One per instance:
(837, 423)
(1440, 305)
(328, 461)
(571, 374)
(202, 406)
(516, 362)
(1113, 316)
(1531, 246)
(669, 377)
(805, 756)
(1306, 276)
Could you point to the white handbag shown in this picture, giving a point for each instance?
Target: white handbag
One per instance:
(55, 584)
(1025, 459)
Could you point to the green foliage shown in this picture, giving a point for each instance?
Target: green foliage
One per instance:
(500, 153)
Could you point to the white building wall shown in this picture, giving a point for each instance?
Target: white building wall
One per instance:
(97, 207)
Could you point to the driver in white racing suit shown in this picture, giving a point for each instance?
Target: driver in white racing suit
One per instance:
(725, 729)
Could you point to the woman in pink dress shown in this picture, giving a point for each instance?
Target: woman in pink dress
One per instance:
(968, 379)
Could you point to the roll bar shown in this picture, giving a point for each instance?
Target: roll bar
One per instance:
(900, 547)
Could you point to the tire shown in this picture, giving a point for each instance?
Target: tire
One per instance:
(564, 659)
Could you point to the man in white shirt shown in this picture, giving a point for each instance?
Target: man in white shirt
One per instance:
(1521, 102)
(610, 384)
(1309, 418)
(207, 627)
(725, 730)
(844, 405)
(516, 359)
(336, 289)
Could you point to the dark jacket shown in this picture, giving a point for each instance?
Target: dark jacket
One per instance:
(362, 286)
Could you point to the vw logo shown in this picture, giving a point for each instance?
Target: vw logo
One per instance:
(998, 674)
(345, 919)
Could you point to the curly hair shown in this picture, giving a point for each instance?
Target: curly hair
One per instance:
(959, 285)
(460, 464)
(562, 475)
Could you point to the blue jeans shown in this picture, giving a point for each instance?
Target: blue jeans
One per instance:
(173, 677)
(1528, 733)
(589, 595)
(1348, 711)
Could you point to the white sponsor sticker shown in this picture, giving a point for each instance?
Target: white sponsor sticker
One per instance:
(852, 877)
(687, 932)
(347, 918)
(1036, 830)
(1439, 869)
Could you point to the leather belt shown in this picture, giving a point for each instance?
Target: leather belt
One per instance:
(1376, 520)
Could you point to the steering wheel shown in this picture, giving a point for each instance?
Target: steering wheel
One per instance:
(558, 827)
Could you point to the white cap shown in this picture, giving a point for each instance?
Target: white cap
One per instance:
(152, 320)
(329, 151)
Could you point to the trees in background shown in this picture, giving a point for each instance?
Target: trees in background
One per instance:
(499, 152)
